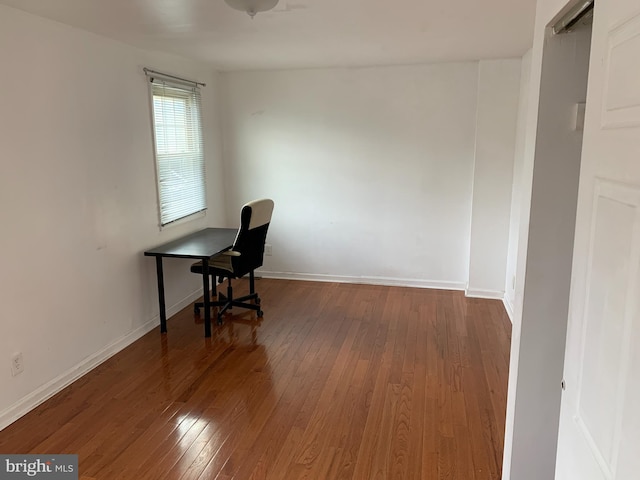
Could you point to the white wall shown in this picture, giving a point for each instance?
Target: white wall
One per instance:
(496, 119)
(371, 169)
(516, 190)
(79, 205)
(549, 191)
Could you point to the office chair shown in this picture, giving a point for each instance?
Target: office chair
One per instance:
(245, 256)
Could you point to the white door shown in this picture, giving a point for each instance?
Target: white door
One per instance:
(600, 418)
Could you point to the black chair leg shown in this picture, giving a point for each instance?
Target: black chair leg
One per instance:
(214, 296)
(253, 296)
(227, 302)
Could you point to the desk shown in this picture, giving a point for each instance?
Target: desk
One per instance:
(198, 246)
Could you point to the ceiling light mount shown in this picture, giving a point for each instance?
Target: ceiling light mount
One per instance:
(252, 6)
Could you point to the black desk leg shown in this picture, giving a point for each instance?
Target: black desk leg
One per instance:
(206, 298)
(163, 312)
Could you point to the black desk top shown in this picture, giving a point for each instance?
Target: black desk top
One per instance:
(202, 244)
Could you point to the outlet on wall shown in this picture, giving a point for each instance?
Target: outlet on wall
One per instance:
(267, 249)
(17, 364)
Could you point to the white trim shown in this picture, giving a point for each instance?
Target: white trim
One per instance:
(387, 281)
(48, 390)
(478, 293)
(183, 220)
(508, 307)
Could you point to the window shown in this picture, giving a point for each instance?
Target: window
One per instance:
(178, 147)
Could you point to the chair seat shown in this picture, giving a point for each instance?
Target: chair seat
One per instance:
(218, 262)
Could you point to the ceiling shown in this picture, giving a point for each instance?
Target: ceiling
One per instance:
(306, 33)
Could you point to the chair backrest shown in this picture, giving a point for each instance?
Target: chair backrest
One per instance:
(252, 234)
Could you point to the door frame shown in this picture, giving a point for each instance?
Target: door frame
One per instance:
(544, 265)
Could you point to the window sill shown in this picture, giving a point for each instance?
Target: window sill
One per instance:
(183, 220)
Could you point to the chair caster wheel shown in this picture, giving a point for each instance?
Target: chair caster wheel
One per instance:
(260, 314)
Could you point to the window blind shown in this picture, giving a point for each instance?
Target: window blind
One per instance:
(179, 151)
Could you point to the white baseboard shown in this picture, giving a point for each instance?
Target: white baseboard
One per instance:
(387, 281)
(477, 293)
(48, 390)
(508, 307)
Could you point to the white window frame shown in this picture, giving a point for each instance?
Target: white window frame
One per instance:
(176, 113)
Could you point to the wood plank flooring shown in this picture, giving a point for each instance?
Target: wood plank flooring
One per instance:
(338, 381)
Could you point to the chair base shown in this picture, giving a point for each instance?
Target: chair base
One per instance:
(227, 302)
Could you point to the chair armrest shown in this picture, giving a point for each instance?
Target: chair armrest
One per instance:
(231, 253)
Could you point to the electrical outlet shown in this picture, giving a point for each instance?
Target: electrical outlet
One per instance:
(267, 249)
(17, 364)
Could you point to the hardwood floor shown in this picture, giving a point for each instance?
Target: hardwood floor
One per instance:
(338, 381)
